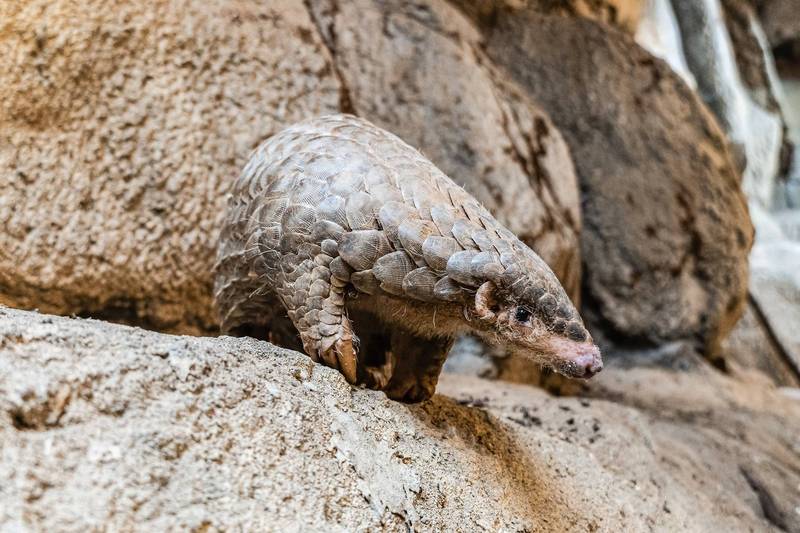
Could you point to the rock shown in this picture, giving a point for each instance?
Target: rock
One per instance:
(752, 52)
(418, 71)
(780, 19)
(752, 346)
(754, 125)
(789, 192)
(120, 132)
(623, 14)
(775, 288)
(659, 34)
(666, 230)
(112, 427)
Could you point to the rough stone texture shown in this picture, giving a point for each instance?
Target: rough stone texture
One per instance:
(775, 287)
(743, 26)
(418, 71)
(121, 130)
(755, 131)
(666, 229)
(624, 14)
(659, 34)
(111, 427)
(752, 346)
(780, 19)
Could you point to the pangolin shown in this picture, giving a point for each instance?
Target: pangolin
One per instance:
(380, 260)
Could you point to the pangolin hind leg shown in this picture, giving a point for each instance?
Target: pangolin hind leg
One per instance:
(375, 361)
(418, 363)
(314, 301)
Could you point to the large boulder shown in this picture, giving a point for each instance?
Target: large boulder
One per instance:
(121, 130)
(666, 228)
(110, 427)
(780, 20)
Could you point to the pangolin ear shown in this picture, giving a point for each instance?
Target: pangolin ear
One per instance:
(486, 303)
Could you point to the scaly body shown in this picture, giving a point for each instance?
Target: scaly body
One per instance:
(380, 260)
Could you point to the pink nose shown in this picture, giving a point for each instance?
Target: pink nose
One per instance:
(576, 359)
(587, 364)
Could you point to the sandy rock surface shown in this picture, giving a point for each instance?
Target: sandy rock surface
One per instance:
(120, 131)
(666, 231)
(106, 426)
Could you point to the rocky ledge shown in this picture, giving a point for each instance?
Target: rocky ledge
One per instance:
(110, 427)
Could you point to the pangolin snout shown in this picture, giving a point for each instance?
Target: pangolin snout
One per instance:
(576, 359)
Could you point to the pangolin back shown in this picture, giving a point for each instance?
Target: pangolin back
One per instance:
(383, 217)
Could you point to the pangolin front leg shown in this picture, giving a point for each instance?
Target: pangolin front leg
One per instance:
(418, 365)
(314, 300)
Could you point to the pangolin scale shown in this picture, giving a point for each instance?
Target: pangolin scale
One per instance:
(350, 230)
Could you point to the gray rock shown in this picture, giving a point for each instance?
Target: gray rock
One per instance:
(775, 287)
(666, 230)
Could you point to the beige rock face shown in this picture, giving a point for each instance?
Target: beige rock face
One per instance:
(666, 229)
(121, 130)
(106, 426)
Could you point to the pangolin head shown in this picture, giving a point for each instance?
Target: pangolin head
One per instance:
(524, 306)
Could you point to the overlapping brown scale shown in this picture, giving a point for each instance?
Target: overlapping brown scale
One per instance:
(459, 268)
(309, 250)
(419, 284)
(361, 210)
(330, 247)
(474, 211)
(308, 191)
(462, 230)
(332, 208)
(412, 233)
(385, 192)
(269, 211)
(392, 269)
(444, 217)
(483, 240)
(448, 290)
(437, 250)
(391, 215)
(486, 266)
(340, 269)
(365, 282)
(298, 219)
(362, 248)
(325, 229)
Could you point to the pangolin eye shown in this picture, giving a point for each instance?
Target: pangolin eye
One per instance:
(522, 314)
